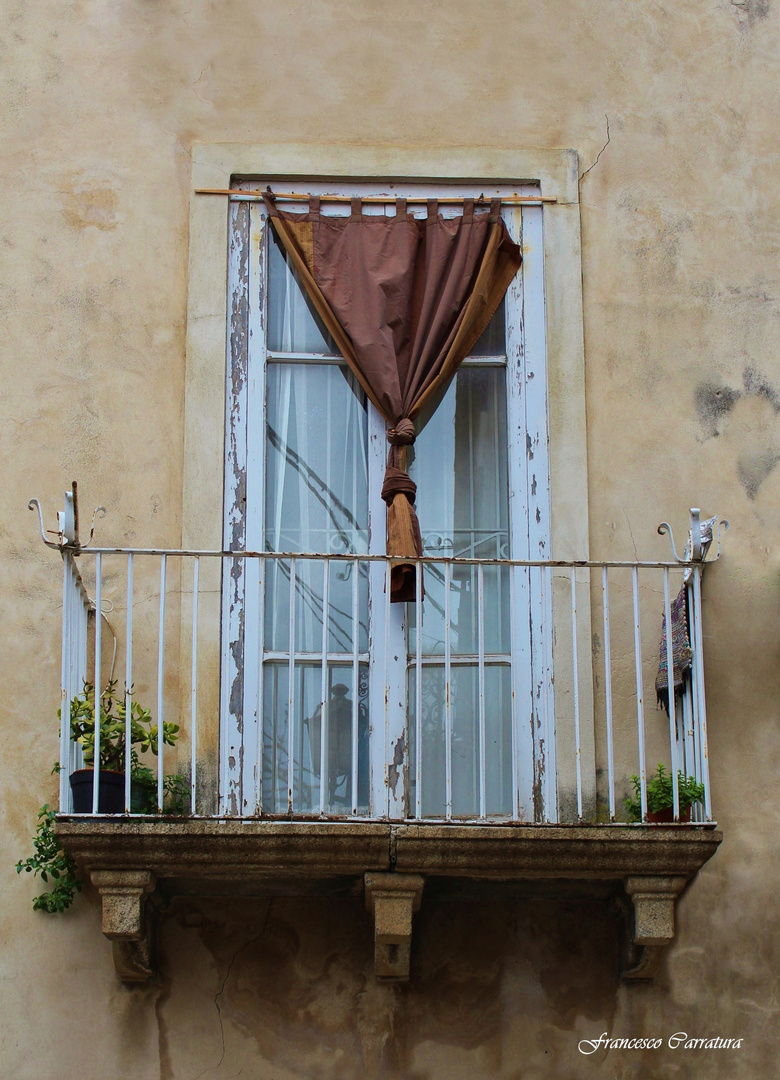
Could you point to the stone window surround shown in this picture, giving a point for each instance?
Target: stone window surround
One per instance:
(641, 868)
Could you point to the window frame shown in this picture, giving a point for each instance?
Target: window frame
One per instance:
(218, 166)
(528, 504)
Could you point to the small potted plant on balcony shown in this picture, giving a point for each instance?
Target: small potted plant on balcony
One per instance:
(143, 734)
(660, 798)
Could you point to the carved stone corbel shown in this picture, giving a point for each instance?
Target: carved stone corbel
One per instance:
(126, 923)
(393, 899)
(654, 899)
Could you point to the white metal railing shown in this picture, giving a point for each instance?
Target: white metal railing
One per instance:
(543, 718)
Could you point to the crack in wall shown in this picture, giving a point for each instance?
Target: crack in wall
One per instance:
(222, 988)
(601, 151)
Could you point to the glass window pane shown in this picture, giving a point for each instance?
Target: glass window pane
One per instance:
(466, 751)
(432, 749)
(464, 612)
(498, 740)
(493, 340)
(292, 323)
(459, 463)
(340, 716)
(317, 460)
(316, 501)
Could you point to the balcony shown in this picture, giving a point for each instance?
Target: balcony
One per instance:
(489, 733)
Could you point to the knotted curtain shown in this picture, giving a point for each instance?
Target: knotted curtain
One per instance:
(405, 299)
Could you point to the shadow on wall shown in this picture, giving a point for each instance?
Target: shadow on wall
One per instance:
(290, 982)
(715, 403)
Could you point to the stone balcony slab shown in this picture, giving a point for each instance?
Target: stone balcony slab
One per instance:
(649, 865)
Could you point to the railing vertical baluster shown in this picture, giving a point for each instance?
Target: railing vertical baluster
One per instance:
(608, 693)
(687, 723)
(576, 684)
(129, 684)
(98, 678)
(324, 770)
(640, 709)
(694, 748)
(385, 734)
(670, 691)
(72, 659)
(194, 709)
(704, 771)
(161, 688)
(68, 589)
(261, 574)
(513, 710)
(418, 615)
(448, 689)
(355, 683)
(76, 753)
(692, 740)
(481, 676)
(550, 775)
(291, 694)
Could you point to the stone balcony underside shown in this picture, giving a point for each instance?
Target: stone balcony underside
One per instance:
(392, 862)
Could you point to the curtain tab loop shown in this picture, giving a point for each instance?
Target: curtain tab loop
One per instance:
(468, 210)
(357, 210)
(314, 204)
(433, 211)
(270, 202)
(400, 209)
(403, 434)
(495, 210)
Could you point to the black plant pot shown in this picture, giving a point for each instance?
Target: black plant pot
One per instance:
(111, 796)
(143, 799)
(666, 816)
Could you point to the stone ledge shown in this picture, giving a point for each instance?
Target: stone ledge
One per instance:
(390, 861)
(554, 851)
(219, 849)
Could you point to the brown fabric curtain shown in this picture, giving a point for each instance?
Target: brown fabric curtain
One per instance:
(405, 300)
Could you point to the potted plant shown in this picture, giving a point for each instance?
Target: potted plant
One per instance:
(143, 734)
(660, 798)
(143, 791)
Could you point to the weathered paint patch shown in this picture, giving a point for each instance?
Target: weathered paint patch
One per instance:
(713, 403)
(757, 384)
(394, 771)
(753, 470)
(91, 203)
(751, 11)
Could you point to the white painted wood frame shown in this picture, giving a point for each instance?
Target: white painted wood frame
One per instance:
(214, 404)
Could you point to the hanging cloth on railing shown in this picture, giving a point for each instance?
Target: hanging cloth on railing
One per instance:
(682, 656)
(405, 301)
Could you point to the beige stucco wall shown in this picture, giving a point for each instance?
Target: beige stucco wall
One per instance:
(101, 105)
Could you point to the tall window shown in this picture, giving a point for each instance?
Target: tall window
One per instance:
(316, 500)
(349, 705)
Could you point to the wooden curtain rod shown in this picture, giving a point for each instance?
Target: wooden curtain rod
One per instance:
(294, 196)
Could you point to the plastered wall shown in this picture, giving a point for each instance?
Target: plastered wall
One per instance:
(672, 109)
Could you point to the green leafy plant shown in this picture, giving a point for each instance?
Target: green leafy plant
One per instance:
(50, 861)
(113, 716)
(659, 793)
(176, 790)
